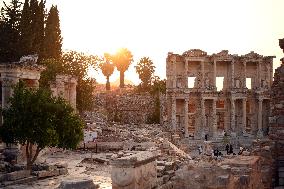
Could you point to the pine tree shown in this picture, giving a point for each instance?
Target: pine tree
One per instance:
(53, 39)
(9, 31)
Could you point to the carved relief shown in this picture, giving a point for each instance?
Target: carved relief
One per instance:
(252, 55)
(194, 53)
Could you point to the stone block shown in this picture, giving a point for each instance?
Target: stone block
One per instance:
(78, 184)
(161, 163)
(18, 175)
(61, 165)
(166, 178)
(171, 173)
(160, 170)
(169, 166)
(244, 180)
(223, 180)
(45, 173)
(63, 171)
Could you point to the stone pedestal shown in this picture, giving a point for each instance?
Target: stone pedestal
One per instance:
(138, 171)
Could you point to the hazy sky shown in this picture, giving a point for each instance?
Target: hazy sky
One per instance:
(155, 27)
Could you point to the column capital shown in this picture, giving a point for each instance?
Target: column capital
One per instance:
(260, 99)
(186, 99)
(9, 81)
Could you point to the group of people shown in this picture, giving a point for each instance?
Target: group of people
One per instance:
(229, 149)
(217, 153)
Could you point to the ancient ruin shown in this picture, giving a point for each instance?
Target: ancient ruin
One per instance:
(213, 94)
(65, 87)
(26, 70)
(29, 71)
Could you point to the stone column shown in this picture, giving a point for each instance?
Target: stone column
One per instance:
(214, 74)
(72, 94)
(7, 89)
(259, 118)
(233, 115)
(245, 74)
(259, 74)
(202, 74)
(244, 115)
(186, 116)
(232, 74)
(185, 73)
(215, 134)
(174, 75)
(268, 76)
(203, 118)
(174, 112)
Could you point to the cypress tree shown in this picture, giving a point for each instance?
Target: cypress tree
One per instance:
(53, 39)
(9, 31)
(25, 29)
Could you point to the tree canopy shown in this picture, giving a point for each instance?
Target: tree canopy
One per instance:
(145, 69)
(122, 60)
(9, 31)
(35, 118)
(53, 39)
(75, 64)
(107, 68)
(25, 30)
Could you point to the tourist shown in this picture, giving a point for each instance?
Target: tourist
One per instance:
(241, 150)
(200, 150)
(231, 151)
(206, 137)
(227, 149)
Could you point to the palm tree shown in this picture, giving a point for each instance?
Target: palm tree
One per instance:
(107, 69)
(122, 59)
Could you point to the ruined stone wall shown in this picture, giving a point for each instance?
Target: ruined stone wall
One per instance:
(242, 82)
(65, 86)
(242, 172)
(129, 107)
(276, 129)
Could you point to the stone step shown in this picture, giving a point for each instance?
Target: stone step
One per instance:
(20, 181)
(280, 163)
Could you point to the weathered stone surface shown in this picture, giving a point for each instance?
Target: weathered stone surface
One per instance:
(137, 171)
(46, 173)
(18, 175)
(197, 108)
(78, 184)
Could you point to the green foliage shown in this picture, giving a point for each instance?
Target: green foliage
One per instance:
(107, 68)
(158, 86)
(35, 118)
(53, 67)
(53, 39)
(155, 117)
(75, 64)
(122, 60)
(145, 69)
(85, 88)
(9, 31)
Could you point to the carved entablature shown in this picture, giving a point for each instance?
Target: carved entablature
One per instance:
(174, 57)
(252, 56)
(194, 53)
(223, 55)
